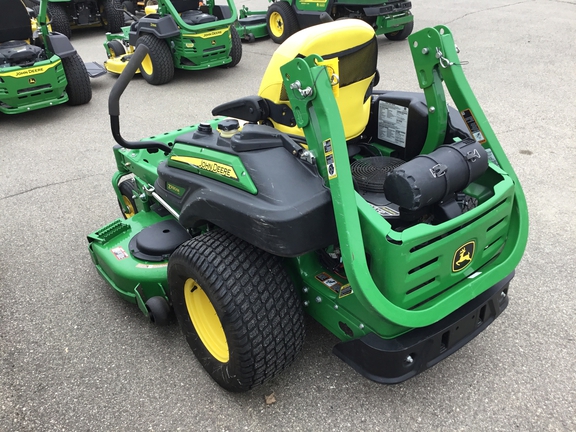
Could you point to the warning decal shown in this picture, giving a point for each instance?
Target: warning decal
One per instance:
(334, 285)
(119, 253)
(392, 123)
(473, 126)
(385, 210)
(329, 155)
(151, 266)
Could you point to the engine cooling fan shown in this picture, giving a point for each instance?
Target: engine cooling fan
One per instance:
(369, 173)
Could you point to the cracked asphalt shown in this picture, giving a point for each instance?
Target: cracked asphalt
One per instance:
(75, 357)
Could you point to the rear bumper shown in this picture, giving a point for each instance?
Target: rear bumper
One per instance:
(391, 361)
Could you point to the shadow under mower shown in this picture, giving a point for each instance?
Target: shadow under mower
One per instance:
(179, 34)
(394, 221)
(283, 18)
(38, 67)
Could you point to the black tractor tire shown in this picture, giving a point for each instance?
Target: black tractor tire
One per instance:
(237, 308)
(281, 21)
(401, 34)
(236, 49)
(157, 68)
(78, 89)
(114, 16)
(116, 48)
(159, 311)
(127, 188)
(59, 20)
(128, 6)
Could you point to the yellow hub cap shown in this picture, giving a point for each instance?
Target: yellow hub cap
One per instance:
(206, 321)
(131, 212)
(147, 65)
(276, 24)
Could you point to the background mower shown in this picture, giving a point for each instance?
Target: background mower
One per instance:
(65, 15)
(38, 67)
(178, 34)
(283, 18)
(393, 220)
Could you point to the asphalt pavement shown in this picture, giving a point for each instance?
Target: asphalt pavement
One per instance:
(75, 357)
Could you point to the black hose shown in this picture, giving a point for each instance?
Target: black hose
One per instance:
(114, 104)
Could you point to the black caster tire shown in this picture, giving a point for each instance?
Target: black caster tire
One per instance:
(127, 189)
(159, 311)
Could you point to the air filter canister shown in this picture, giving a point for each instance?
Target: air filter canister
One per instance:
(430, 178)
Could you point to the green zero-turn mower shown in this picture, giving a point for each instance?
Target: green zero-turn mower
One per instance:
(183, 34)
(394, 221)
(38, 67)
(283, 18)
(66, 15)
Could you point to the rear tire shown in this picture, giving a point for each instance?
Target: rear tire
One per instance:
(157, 68)
(401, 34)
(236, 49)
(78, 89)
(237, 307)
(114, 18)
(128, 6)
(281, 21)
(59, 21)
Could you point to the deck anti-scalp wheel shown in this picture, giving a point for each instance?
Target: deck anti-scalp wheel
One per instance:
(237, 307)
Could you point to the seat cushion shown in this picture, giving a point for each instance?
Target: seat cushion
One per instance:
(195, 17)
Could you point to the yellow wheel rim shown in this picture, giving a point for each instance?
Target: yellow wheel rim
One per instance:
(131, 211)
(206, 321)
(147, 65)
(276, 24)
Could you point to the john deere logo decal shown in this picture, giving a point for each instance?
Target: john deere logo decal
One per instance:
(463, 256)
(32, 80)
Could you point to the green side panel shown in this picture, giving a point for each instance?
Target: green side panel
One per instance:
(311, 5)
(392, 23)
(30, 88)
(201, 50)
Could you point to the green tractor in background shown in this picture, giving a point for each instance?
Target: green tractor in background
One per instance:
(38, 67)
(283, 18)
(393, 220)
(65, 15)
(179, 34)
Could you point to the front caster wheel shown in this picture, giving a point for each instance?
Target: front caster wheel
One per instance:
(237, 307)
(159, 310)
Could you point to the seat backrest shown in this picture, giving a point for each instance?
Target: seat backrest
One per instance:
(14, 21)
(185, 5)
(350, 50)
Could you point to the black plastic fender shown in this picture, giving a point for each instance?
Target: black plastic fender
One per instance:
(161, 27)
(60, 45)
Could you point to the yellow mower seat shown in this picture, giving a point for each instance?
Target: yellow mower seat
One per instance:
(350, 50)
